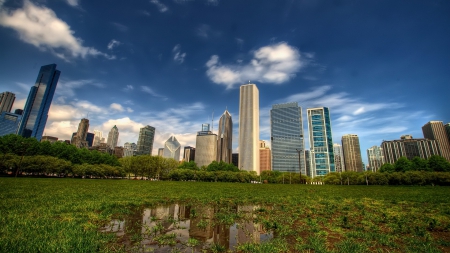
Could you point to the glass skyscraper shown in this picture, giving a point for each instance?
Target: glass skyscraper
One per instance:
(286, 130)
(36, 109)
(145, 141)
(225, 138)
(320, 141)
(172, 148)
(9, 122)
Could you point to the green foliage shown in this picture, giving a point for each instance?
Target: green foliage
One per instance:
(387, 167)
(403, 164)
(188, 165)
(438, 163)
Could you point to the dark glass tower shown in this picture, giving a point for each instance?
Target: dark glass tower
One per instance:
(225, 138)
(145, 141)
(36, 109)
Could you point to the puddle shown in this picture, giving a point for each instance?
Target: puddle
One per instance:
(185, 228)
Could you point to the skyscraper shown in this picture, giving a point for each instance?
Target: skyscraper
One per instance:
(36, 109)
(225, 138)
(249, 128)
(189, 154)
(376, 158)
(265, 157)
(9, 123)
(145, 141)
(6, 101)
(409, 148)
(352, 153)
(172, 148)
(435, 130)
(205, 147)
(79, 140)
(447, 129)
(113, 137)
(320, 141)
(98, 136)
(338, 157)
(286, 130)
(308, 163)
(129, 149)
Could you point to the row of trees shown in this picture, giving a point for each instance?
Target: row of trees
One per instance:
(403, 164)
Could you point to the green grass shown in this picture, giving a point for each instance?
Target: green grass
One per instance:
(64, 215)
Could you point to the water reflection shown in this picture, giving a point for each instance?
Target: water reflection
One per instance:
(188, 228)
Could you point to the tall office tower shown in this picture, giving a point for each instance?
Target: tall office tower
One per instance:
(161, 152)
(225, 138)
(338, 157)
(376, 158)
(435, 130)
(320, 141)
(36, 109)
(98, 136)
(447, 129)
(90, 139)
(172, 148)
(409, 148)
(79, 140)
(249, 128)
(6, 101)
(352, 153)
(129, 149)
(9, 123)
(286, 130)
(145, 141)
(205, 147)
(265, 157)
(308, 163)
(189, 154)
(113, 137)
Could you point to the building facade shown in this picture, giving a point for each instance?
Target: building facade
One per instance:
(375, 157)
(98, 136)
(145, 141)
(79, 140)
(205, 147)
(435, 130)
(265, 157)
(352, 153)
(129, 149)
(287, 139)
(320, 141)
(409, 148)
(189, 154)
(172, 148)
(225, 138)
(447, 129)
(161, 152)
(249, 128)
(308, 163)
(113, 137)
(38, 103)
(9, 123)
(338, 157)
(6, 101)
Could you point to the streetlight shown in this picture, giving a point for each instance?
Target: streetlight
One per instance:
(299, 166)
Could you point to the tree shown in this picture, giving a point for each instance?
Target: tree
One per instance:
(387, 167)
(191, 165)
(438, 163)
(420, 164)
(403, 164)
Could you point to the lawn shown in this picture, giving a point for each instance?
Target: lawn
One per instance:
(66, 215)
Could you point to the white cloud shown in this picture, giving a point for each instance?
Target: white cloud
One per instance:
(120, 27)
(276, 64)
(67, 88)
(178, 57)
(116, 107)
(161, 7)
(39, 26)
(113, 43)
(128, 88)
(150, 91)
(73, 3)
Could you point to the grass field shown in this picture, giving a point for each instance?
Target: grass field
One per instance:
(65, 215)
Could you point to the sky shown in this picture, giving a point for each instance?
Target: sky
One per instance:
(381, 67)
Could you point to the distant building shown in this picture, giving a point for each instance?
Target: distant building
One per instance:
(435, 130)
(352, 153)
(409, 148)
(235, 159)
(145, 141)
(50, 139)
(38, 103)
(161, 152)
(103, 148)
(172, 148)
(338, 157)
(308, 163)
(90, 139)
(9, 123)
(79, 140)
(286, 129)
(129, 149)
(205, 147)
(320, 141)
(375, 157)
(98, 136)
(265, 157)
(113, 137)
(249, 128)
(118, 152)
(225, 138)
(189, 154)
(6, 101)
(447, 129)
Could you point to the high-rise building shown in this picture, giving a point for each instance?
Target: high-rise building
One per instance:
(376, 158)
(435, 130)
(189, 154)
(338, 157)
(113, 137)
(249, 128)
(90, 139)
(409, 148)
(287, 141)
(308, 163)
(352, 153)
(6, 101)
(225, 138)
(9, 123)
(172, 148)
(205, 147)
(447, 129)
(129, 149)
(98, 136)
(79, 140)
(265, 157)
(320, 141)
(38, 103)
(145, 141)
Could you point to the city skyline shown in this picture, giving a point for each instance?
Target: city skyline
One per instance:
(368, 62)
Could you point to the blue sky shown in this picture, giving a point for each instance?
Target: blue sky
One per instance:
(382, 67)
